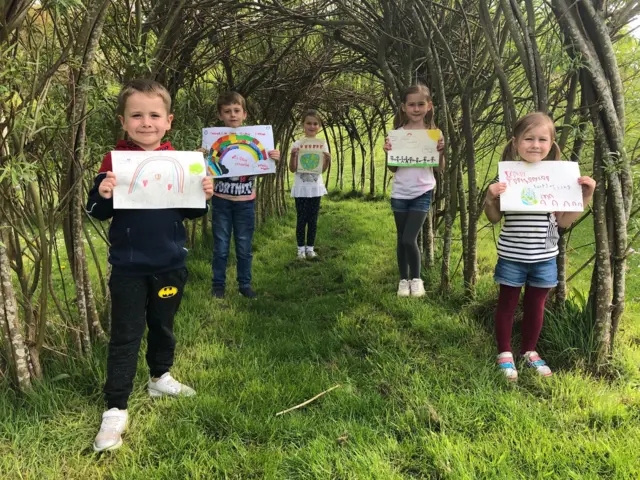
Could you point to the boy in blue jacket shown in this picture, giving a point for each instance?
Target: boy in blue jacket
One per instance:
(148, 273)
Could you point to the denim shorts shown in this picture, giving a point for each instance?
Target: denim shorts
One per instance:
(418, 204)
(516, 274)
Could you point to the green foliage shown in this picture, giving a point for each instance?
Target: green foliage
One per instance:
(18, 173)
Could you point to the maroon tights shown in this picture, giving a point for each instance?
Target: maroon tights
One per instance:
(533, 308)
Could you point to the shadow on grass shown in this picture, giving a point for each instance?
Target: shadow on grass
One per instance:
(340, 195)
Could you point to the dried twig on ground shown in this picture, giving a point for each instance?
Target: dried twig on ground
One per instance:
(308, 401)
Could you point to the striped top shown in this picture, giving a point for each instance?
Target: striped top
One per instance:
(528, 237)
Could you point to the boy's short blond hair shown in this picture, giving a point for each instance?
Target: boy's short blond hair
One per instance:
(142, 85)
(231, 98)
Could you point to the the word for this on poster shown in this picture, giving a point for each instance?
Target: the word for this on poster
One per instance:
(158, 179)
(238, 152)
(414, 148)
(548, 186)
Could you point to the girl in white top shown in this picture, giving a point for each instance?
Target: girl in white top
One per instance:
(527, 247)
(411, 191)
(308, 188)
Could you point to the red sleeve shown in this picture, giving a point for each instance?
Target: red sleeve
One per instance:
(106, 164)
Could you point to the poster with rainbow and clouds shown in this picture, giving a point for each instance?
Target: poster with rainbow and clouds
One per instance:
(158, 179)
(238, 152)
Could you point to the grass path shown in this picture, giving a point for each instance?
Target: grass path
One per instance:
(420, 396)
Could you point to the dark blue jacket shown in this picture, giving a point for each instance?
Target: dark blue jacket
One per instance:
(143, 242)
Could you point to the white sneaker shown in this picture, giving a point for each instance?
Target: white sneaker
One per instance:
(114, 423)
(417, 287)
(167, 385)
(311, 254)
(404, 290)
(301, 255)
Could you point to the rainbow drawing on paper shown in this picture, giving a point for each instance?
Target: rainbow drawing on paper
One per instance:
(228, 144)
(175, 174)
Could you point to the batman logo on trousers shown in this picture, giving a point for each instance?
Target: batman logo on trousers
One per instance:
(167, 292)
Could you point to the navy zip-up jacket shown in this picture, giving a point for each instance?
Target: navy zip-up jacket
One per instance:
(143, 242)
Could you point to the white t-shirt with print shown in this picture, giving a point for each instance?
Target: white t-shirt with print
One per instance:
(308, 184)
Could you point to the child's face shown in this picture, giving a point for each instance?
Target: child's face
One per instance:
(232, 115)
(146, 120)
(311, 126)
(534, 144)
(416, 106)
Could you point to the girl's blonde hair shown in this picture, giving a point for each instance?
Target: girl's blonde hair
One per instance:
(401, 118)
(311, 113)
(522, 126)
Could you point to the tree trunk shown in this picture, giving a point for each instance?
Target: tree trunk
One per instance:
(470, 264)
(589, 40)
(561, 288)
(427, 243)
(84, 53)
(602, 295)
(16, 349)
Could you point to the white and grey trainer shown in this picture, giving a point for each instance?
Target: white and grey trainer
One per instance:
(404, 288)
(114, 423)
(166, 385)
(417, 287)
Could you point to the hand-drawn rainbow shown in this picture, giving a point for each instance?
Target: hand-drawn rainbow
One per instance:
(227, 144)
(177, 173)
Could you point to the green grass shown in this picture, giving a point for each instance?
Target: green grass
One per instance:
(420, 395)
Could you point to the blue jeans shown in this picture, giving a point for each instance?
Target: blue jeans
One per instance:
(418, 204)
(542, 274)
(239, 217)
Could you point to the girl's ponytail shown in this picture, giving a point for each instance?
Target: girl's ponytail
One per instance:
(554, 153)
(400, 119)
(509, 153)
(430, 119)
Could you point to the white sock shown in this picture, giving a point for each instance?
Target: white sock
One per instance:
(300, 249)
(310, 249)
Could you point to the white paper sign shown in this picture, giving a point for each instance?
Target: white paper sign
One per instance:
(414, 148)
(238, 152)
(548, 186)
(158, 179)
(311, 155)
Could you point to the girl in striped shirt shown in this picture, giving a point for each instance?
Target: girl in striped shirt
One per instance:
(527, 247)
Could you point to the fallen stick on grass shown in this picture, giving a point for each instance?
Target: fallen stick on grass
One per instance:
(308, 401)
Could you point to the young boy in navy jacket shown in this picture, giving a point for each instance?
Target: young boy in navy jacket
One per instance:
(148, 273)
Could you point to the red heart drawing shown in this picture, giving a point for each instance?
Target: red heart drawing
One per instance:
(169, 186)
(144, 182)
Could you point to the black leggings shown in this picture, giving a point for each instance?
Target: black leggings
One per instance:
(138, 302)
(308, 209)
(408, 225)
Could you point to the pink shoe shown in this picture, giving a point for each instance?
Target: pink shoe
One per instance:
(534, 361)
(505, 362)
